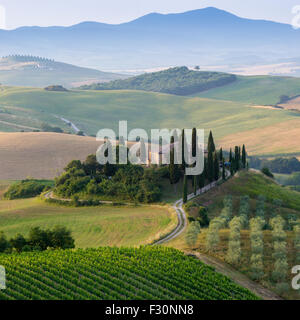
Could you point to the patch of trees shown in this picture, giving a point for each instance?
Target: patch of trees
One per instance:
(38, 240)
(25, 189)
(109, 181)
(179, 81)
(45, 127)
(278, 165)
(56, 88)
(281, 266)
(267, 172)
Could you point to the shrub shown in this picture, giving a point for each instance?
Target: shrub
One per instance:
(25, 189)
(203, 217)
(266, 171)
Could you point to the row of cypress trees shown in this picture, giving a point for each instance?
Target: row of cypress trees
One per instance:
(211, 172)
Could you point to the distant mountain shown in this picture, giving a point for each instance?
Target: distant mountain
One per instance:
(179, 81)
(199, 37)
(32, 71)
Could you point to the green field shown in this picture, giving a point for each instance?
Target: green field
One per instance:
(260, 90)
(117, 274)
(90, 226)
(93, 110)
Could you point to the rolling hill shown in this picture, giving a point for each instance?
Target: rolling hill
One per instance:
(236, 121)
(40, 72)
(179, 81)
(194, 37)
(41, 155)
(115, 274)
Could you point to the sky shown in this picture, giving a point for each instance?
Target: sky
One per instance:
(16, 13)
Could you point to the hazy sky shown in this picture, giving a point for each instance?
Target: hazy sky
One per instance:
(68, 12)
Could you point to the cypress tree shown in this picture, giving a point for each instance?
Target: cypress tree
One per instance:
(194, 142)
(236, 159)
(183, 150)
(211, 145)
(230, 156)
(216, 166)
(210, 166)
(195, 184)
(244, 157)
(221, 155)
(223, 170)
(173, 168)
(185, 189)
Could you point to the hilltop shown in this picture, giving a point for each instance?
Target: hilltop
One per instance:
(198, 37)
(179, 81)
(23, 70)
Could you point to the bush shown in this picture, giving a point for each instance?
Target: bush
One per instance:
(267, 172)
(203, 217)
(4, 244)
(25, 189)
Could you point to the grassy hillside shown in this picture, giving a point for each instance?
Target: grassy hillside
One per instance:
(116, 274)
(180, 81)
(91, 226)
(259, 90)
(251, 184)
(93, 110)
(40, 72)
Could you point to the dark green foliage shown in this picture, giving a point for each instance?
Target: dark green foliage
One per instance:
(18, 242)
(194, 142)
(203, 217)
(124, 182)
(25, 189)
(216, 166)
(39, 240)
(174, 170)
(211, 144)
(4, 244)
(267, 172)
(80, 133)
(185, 189)
(56, 88)
(236, 158)
(195, 184)
(278, 165)
(223, 170)
(45, 127)
(221, 155)
(244, 157)
(179, 80)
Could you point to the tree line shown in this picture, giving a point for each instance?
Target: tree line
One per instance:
(38, 240)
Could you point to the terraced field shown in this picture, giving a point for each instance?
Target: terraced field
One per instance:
(119, 274)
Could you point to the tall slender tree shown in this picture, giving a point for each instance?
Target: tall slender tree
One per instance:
(185, 189)
(244, 157)
(210, 166)
(174, 173)
(221, 154)
(183, 146)
(194, 142)
(223, 170)
(195, 184)
(211, 145)
(236, 159)
(216, 166)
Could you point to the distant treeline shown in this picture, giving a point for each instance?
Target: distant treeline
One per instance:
(278, 165)
(179, 81)
(27, 58)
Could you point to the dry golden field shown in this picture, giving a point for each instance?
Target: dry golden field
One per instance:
(280, 138)
(41, 155)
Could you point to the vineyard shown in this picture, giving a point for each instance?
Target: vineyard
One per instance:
(118, 274)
